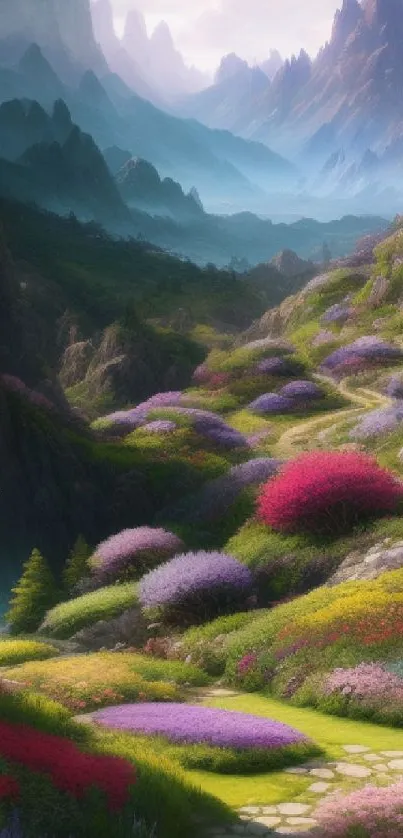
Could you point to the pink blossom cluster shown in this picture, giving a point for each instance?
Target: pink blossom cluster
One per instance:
(371, 812)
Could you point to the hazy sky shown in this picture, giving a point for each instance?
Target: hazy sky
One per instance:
(204, 30)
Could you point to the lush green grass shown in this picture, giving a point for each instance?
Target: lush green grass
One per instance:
(164, 791)
(19, 651)
(69, 617)
(328, 732)
(42, 713)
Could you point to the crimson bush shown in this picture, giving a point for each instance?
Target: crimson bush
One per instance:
(328, 492)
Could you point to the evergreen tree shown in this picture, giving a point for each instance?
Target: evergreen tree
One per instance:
(327, 256)
(32, 596)
(77, 567)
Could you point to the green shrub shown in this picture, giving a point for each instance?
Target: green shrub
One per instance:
(18, 651)
(77, 567)
(42, 713)
(234, 761)
(33, 595)
(67, 618)
(153, 669)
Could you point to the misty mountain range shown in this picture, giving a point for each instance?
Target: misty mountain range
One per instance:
(123, 132)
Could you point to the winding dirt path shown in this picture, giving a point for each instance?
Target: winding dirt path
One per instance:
(294, 440)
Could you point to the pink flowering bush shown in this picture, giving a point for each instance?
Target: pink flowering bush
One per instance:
(370, 812)
(366, 691)
(130, 552)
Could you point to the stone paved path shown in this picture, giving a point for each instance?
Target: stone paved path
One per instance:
(295, 817)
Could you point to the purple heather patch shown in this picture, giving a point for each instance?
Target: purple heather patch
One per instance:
(301, 390)
(339, 313)
(368, 349)
(378, 422)
(192, 576)
(190, 724)
(272, 403)
(117, 552)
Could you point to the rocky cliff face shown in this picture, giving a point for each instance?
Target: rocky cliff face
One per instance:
(63, 29)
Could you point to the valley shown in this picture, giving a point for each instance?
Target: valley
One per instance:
(201, 421)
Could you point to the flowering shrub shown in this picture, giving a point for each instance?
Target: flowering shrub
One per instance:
(217, 496)
(395, 387)
(366, 813)
(323, 337)
(378, 422)
(273, 366)
(338, 313)
(197, 585)
(132, 551)
(367, 690)
(221, 435)
(301, 390)
(272, 403)
(328, 491)
(364, 352)
(70, 769)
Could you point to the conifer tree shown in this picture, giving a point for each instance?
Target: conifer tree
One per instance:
(77, 567)
(32, 596)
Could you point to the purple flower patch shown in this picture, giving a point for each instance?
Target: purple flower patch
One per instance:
(378, 422)
(133, 548)
(190, 724)
(197, 584)
(364, 352)
(272, 403)
(301, 390)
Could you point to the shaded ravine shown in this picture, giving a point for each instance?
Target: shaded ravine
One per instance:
(293, 441)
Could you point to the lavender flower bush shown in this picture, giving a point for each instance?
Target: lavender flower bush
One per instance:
(364, 351)
(273, 366)
(196, 585)
(130, 552)
(395, 387)
(129, 420)
(378, 422)
(338, 313)
(366, 813)
(15, 385)
(301, 390)
(272, 403)
(186, 723)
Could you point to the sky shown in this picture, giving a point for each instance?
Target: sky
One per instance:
(205, 30)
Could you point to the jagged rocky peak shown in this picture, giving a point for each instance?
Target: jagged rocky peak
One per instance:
(135, 37)
(139, 172)
(231, 65)
(379, 13)
(272, 64)
(290, 264)
(162, 37)
(61, 119)
(91, 89)
(346, 21)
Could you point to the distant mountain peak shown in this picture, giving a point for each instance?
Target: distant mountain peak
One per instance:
(230, 66)
(162, 35)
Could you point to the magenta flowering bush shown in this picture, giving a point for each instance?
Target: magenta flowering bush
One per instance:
(364, 352)
(272, 403)
(378, 422)
(195, 586)
(301, 390)
(194, 724)
(130, 552)
(370, 812)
